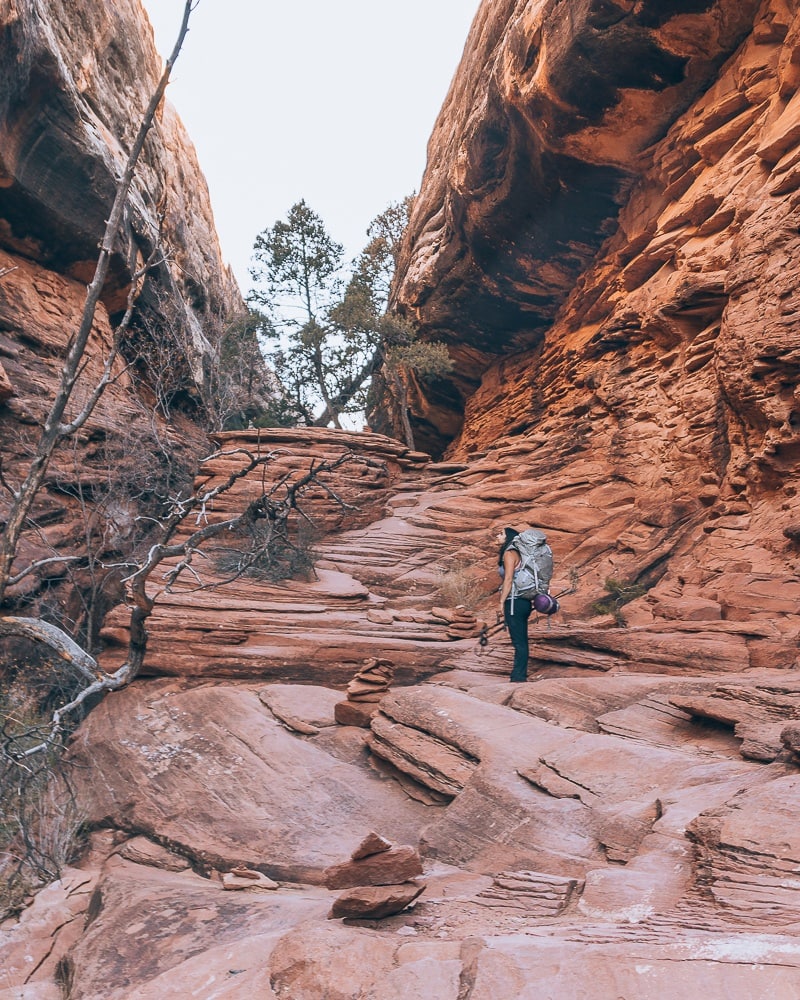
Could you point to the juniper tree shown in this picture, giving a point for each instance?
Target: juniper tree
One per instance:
(335, 338)
(296, 273)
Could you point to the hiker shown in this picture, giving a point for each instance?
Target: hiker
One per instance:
(525, 563)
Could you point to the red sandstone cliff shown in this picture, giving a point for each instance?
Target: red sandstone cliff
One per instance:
(76, 80)
(74, 83)
(606, 237)
(651, 372)
(622, 119)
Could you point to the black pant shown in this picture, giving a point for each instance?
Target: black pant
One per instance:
(517, 623)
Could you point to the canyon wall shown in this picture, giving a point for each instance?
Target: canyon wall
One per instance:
(606, 239)
(619, 825)
(596, 165)
(656, 355)
(75, 79)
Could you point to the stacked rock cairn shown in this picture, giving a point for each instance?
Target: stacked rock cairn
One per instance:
(379, 879)
(461, 622)
(364, 692)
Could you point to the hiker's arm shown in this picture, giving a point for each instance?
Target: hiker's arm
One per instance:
(510, 560)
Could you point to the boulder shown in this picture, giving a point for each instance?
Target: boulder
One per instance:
(355, 713)
(398, 864)
(246, 878)
(374, 902)
(303, 708)
(373, 843)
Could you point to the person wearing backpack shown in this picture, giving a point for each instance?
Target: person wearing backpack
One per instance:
(525, 563)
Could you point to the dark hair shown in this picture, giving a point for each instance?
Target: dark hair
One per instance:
(511, 534)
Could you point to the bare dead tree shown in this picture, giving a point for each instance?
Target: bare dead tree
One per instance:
(42, 820)
(40, 814)
(31, 782)
(31, 742)
(56, 428)
(275, 505)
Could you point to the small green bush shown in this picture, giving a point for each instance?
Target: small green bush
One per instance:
(619, 594)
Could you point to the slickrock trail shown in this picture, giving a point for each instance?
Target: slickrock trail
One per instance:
(623, 824)
(606, 238)
(377, 585)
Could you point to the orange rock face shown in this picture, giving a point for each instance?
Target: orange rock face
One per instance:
(83, 76)
(679, 318)
(607, 238)
(646, 380)
(79, 76)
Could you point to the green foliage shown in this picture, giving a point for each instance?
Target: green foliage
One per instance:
(375, 266)
(330, 337)
(296, 265)
(428, 360)
(297, 279)
(405, 357)
(619, 594)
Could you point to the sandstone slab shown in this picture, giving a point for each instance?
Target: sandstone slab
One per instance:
(355, 713)
(183, 933)
(748, 866)
(398, 864)
(375, 902)
(373, 843)
(216, 774)
(31, 949)
(142, 851)
(302, 708)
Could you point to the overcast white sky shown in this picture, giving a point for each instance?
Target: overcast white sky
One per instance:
(328, 100)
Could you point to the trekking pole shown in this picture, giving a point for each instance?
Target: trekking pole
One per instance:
(573, 584)
(487, 632)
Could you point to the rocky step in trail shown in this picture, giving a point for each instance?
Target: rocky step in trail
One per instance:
(607, 819)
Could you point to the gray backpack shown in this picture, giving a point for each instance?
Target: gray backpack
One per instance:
(533, 574)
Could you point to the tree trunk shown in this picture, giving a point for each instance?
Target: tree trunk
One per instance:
(401, 397)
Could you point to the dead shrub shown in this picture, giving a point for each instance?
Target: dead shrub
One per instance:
(41, 823)
(460, 584)
(269, 552)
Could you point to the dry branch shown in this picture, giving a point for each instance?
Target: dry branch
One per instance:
(54, 429)
(274, 506)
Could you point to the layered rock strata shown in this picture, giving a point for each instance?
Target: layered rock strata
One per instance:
(376, 589)
(578, 854)
(75, 81)
(78, 79)
(674, 336)
(321, 628)
(631, 401)
(621, 825)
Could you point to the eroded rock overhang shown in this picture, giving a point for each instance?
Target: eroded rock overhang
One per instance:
(546, 125)
(74, 83)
